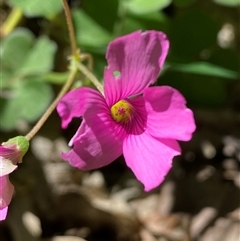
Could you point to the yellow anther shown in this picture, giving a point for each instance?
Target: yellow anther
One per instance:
(121, 111)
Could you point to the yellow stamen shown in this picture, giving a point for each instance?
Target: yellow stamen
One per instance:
(122, 111)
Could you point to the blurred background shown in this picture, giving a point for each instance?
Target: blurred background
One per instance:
(199, 199)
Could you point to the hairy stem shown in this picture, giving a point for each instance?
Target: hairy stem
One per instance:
(90, 76)
(75, 66)
(70, 29)
(51, 108)
(76, 52)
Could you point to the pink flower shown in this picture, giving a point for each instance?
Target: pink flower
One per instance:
(11, 153)
(142, 123)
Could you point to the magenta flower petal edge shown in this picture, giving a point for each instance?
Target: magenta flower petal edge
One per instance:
(141, 122)
(11, 153)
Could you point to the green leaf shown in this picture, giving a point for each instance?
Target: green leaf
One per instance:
(99, 64)
(35, 96)
(226, 58)
(183, 3)
(154, 20)
(145, 6)
(88, 32)
(37, 8)
(204, 68)
(14, 48)
(104, 12)
(131, 24)
(191, 33)
(27, 101)
(4, 79)
(21, 55)
(40, 57)
(199, 90)
(228, 3)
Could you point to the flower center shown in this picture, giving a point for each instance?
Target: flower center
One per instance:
(122, 111)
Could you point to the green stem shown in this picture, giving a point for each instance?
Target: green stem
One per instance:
(51, 108)
(74, 67)
(90, 76)
(11, 22)
(75, 51)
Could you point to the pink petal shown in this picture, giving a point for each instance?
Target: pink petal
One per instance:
(75, 102)
(6, 166)
(3, 213)
(150, 159)
(138, 57)
(98, 141)
(6, 191)
(11, 153)
(168, 116)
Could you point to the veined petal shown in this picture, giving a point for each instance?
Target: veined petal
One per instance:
(138, 123)
(168, 116)
(150, 159)
(12, 154)
(75, 102)
(98, 141)
(6, 191)
(134, 62)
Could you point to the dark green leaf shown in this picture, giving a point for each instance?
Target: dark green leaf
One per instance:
(191, 33)
(199, 90)
(154, 20)
(88, 32)
(226, 58)
(131, 24)
(205, 68)
(104, 12)
(183, 3)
